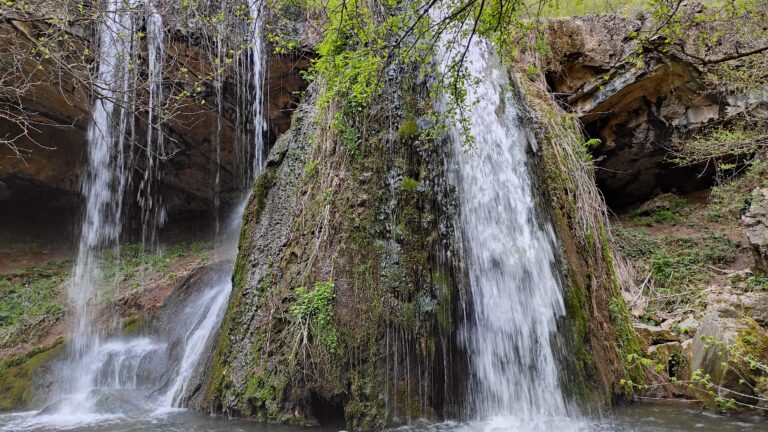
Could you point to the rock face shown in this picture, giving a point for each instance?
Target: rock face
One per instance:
(721, 345)
(344, 296)
(348, 291)
(725, 347)
(756, 223)
(654, 335)
(635, 109)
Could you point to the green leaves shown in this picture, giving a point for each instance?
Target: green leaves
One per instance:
(31, 293)
(313, 310)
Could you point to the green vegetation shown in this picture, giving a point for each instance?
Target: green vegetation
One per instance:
(635, 244)
(674, 211)
(313, 313)
(409, 128)
(31, 294)
(733, 195)
(410, 185)
(583, 7)
(676, 266)
(757, 282)
(132, 262)
(747, 358)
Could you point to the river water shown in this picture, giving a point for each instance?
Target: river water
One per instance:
(633, 418)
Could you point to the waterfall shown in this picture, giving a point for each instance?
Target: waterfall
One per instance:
(257, 75)
(212, 303)
(508, 249)
(103, 377)
(107, 176)
(153, 213)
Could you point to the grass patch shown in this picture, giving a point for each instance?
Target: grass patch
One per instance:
(132, 260)
(628, 8)
(732, 196)
(559, 9)
(675, 267)
(757, 282)
(635, 244)
(32, 293)
(673, 212)
(680, 265)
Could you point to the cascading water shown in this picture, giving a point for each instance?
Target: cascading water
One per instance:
(213, 301)
(103, 188)
(257, 76)
(153, 213)
(102, 377)
(508, 249)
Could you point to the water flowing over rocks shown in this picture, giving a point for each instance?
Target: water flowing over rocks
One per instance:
(389, 271)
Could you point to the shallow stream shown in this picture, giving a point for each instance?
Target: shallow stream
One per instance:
(633, 418)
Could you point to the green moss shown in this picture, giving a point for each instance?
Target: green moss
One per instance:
(16, 376)
(252, 214)
(751, 348)
(263, 396)
(409, 185)
(627, 340)
(133, 325)
(409, 128)
(577, 307)
(443, 286)
(366, 410)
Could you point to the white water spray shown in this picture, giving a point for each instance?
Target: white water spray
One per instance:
(258, 76)
(128, 376)
(212, 305)
(103, 188)
(515, 292)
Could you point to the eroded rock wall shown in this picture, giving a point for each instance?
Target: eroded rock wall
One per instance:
(636, 103)
(365, 211)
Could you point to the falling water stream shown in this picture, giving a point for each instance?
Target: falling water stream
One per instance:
(509, 254)
(129, 383)
(111, 378)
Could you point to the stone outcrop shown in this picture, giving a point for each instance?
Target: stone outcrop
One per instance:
(718, 353)
(653, 335)
(725, 348)
(636, 108)
(319, 218)
(756, 224)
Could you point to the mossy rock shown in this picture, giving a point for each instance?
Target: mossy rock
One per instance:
(16, 376)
